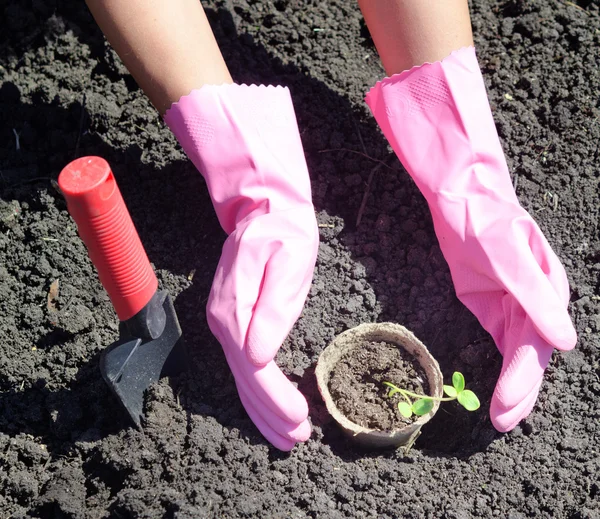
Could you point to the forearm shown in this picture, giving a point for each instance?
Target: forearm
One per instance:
(168, 47)
(412, 32)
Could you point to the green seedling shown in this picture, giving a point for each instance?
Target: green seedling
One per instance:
(421, 404)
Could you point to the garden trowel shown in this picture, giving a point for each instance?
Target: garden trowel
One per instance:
(150, 344)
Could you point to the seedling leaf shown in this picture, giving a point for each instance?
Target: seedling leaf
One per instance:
(468, 400)
(450, 391)
(423, 406)
(405, 409)
(458, 381)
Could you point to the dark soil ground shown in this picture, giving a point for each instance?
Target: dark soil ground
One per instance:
(358, 390)
(65, 448)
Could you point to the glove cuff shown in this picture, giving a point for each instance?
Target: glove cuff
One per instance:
(438, 120)
(245, 142)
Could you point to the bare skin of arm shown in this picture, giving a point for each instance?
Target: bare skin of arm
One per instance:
(168, 47)
(412, 32)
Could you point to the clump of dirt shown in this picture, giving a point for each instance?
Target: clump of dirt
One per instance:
(357, 389)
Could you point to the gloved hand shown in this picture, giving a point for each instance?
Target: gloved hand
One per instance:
(438, 120)
(245, 142)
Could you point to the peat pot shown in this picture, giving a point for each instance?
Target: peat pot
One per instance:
(354, 339)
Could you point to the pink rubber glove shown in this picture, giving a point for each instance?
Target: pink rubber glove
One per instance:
(245, 142)
(438, 120)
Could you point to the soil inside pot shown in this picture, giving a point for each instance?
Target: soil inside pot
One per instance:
(356, 385)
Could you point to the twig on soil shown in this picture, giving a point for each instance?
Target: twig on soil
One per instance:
(68, 303)
(358, 153)
(553, 197)
(436, 337)
(326, 226)
(543, 151)
(363, 203)
(81, 119)
(50, 239)
(143, 130)
(47, 463)
(571, 4)
(362, 143)
(53, 296)
(17, 141)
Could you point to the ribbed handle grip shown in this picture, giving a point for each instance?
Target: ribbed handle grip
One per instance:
(104, 225)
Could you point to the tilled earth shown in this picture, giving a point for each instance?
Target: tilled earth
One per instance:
(65, 448)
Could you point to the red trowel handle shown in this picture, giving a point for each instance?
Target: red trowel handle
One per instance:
(104, 224)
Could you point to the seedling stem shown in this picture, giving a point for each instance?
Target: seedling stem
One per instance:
(424, 403)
